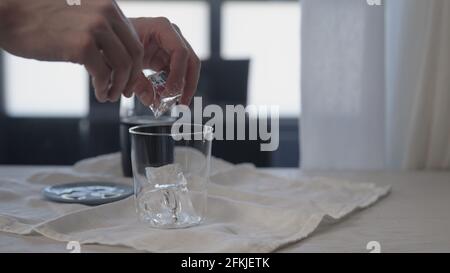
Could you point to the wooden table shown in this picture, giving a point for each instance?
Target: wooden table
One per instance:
(415, 217)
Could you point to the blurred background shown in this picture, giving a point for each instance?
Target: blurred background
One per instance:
(250, 53)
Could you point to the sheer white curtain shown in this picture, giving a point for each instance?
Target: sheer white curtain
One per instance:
(375, 84)
(342, 119)
(418, 83)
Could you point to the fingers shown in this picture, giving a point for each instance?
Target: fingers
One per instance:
(143, 90)
(119, 60)
(166, 49)
(100, 72)
(192, 74)
(176, 48)
(120, 47)
(135, 51)
(192, 77)
(151, 48)
(143, 87)
(159, 61)
(127, 35)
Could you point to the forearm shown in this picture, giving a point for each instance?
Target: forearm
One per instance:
(9, 16)
(3, 6)
(6, 7)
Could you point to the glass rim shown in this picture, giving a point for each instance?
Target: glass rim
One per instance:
(205, 129)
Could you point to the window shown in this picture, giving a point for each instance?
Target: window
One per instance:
(191, 16)
(49, 89)
(268, 33)
(44, 89)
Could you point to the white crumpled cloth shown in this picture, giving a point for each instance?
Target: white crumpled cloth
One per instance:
(248, 210)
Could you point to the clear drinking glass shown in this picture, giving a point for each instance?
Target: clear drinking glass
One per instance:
(171, 165)
(134, 113)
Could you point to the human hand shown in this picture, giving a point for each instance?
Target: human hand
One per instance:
(166, 49)
(95, 34)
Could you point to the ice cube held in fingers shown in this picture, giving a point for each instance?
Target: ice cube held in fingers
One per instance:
(164, 98)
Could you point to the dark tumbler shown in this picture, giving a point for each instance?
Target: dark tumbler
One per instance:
(134, 113)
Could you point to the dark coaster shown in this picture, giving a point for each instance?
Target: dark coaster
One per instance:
(87, 193)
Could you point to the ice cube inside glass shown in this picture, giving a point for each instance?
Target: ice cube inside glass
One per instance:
(171, 172)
